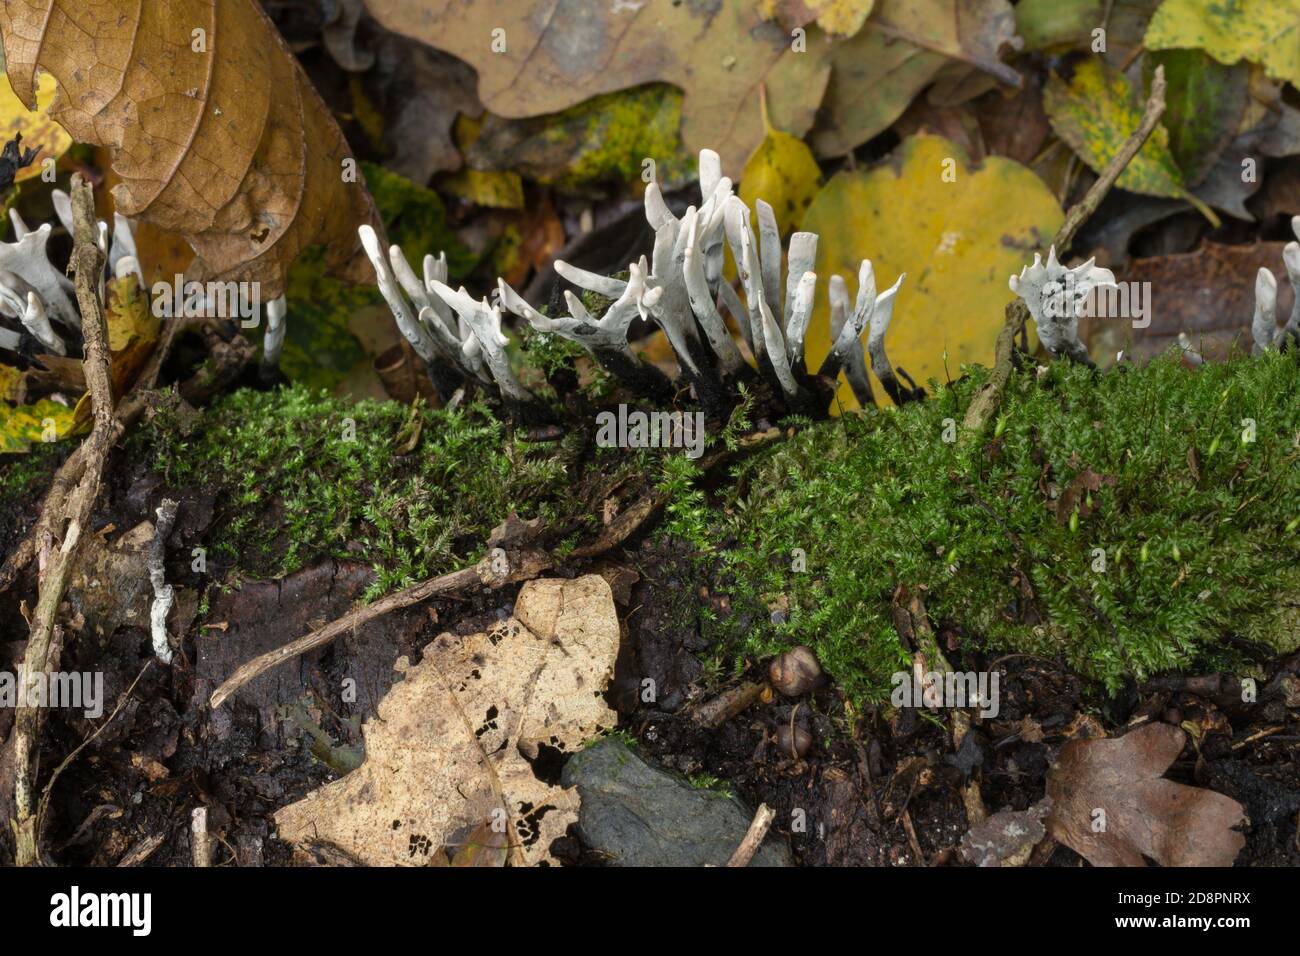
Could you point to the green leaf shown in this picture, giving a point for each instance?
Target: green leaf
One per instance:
(1045, 24)
(1261, 31)
(1205, 104)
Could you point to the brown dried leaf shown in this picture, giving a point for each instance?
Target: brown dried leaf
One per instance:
(560, 52)
(1144, 814)
(217, 135)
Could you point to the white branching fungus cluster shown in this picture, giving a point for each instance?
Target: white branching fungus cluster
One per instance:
(36, 292)
(1057, 298)
(681, 288)
(1263, 326)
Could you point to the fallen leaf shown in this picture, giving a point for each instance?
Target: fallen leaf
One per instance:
(958, 241)
(1209, 294)
(1262, 31)
(11, 381)
(453, 743)
(903, 47)
(132, 330)
(1060, 24)
(844, 17)
(34, 123)
(1111, 805)
(1206, 102)
(1074, 497)
(783, 173)
(607, 137)
(23, 425)
(556, 55)
(212, 125)
(1095, 113)
(493, 190)
(420, 92)
(484, 846)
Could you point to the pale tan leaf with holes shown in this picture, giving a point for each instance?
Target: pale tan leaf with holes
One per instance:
(453, 746)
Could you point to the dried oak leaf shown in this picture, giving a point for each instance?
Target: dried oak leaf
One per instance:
(545, 56)
(217, 135)
(455, 742)
(1144, 814)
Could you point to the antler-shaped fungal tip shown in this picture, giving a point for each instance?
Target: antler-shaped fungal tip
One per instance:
(1057, 297)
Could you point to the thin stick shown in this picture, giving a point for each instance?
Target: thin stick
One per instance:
(524, 565)
(88, 263)
(754, 837)
(989, 397)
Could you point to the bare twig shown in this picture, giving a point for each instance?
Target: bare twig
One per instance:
(718, 710)
(524, 565)
(755, 836)
(88, 263)
(989, 397)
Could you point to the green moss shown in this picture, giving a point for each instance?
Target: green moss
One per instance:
(1198, 528)
(292, 488)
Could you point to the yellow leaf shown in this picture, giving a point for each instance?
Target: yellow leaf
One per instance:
(841, 17)
(36, 126)
(958, 231)
(782, 172)
(23, 425)
(1096, 112)
(132, 330)
(1262, 31)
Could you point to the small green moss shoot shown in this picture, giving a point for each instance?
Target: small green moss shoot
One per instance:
(1196, 515)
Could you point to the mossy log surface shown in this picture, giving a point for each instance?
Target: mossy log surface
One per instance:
(1128, 523)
